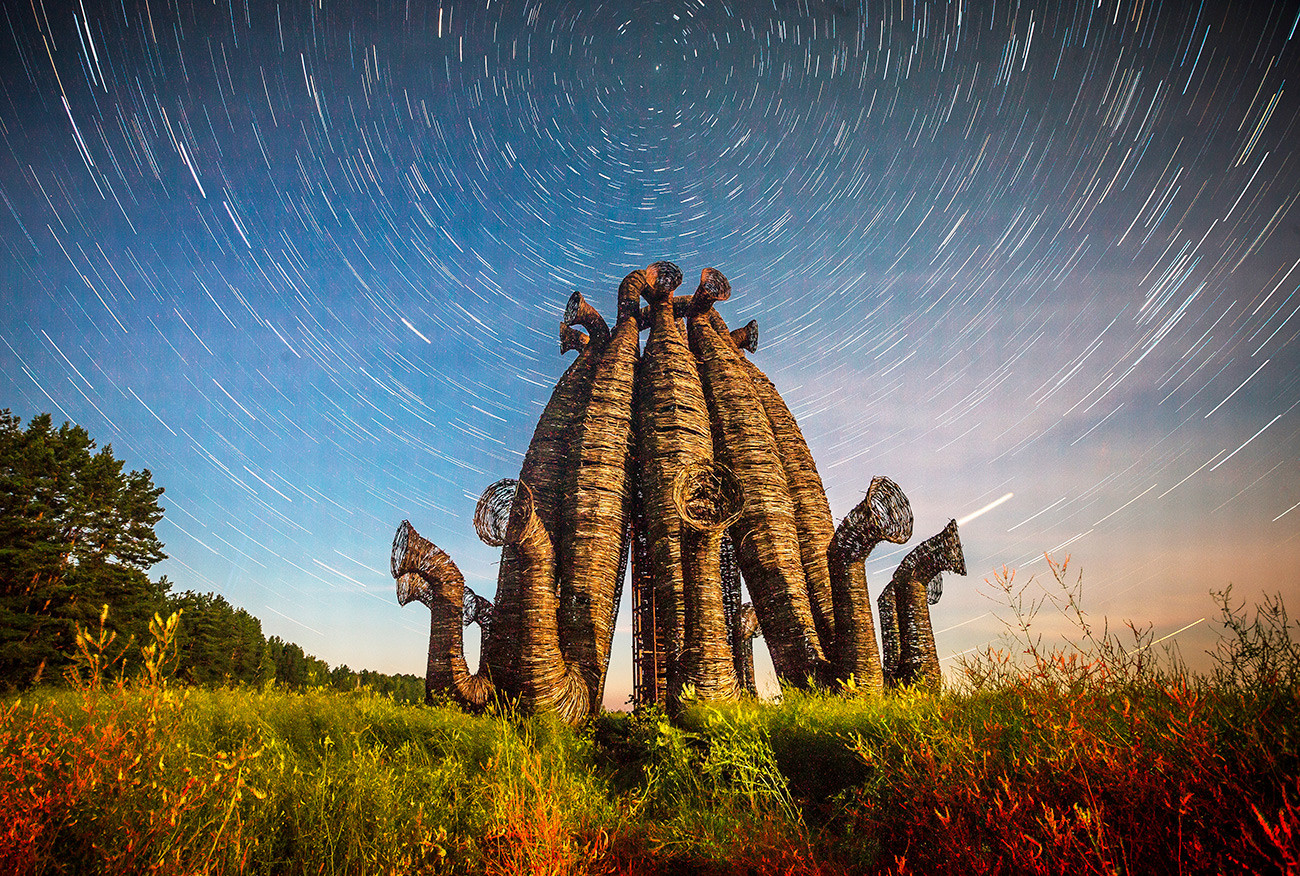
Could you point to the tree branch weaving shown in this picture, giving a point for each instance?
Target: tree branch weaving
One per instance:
(684, 456)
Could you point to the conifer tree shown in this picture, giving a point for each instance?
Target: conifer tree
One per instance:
(75, 533)
(218, 643)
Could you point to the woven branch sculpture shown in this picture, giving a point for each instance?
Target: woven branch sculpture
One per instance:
(685, 457)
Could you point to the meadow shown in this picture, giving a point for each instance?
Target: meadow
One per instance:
(1099, 757)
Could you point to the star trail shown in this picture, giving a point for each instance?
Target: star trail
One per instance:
(1037, 262)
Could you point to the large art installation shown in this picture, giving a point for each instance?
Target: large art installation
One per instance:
(684, 457)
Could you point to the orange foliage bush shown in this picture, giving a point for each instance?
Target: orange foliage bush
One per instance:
(106, 791)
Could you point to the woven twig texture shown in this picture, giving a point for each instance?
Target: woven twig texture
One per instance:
(426, 573)
(595, 517)
(685, 458)
(812, 513)
(918, 659)
(707, 498)
(672, 432)
(765, 535)
(883, 515)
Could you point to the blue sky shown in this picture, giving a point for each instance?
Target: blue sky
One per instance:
(306, 263)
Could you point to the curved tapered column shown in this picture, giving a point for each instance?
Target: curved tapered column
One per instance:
(598, 509)
(506, 516)
(708, 498)
(647, 672)
(547, 468)
(426, 574)
(765, 535)
(812, 512)
(548, 463)
(889, 636)
(672, 428)
(729, 575)
(883, 515)
(745, 337)
(744, 629)
(918, 660)
(887, 606)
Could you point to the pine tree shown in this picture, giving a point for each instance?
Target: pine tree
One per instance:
(218, 643)
(75, 533)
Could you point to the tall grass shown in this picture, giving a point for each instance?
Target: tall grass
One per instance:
(1099, 757)
(94, 780)
(155, 778)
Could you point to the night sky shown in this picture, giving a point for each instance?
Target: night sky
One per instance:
(306, 262)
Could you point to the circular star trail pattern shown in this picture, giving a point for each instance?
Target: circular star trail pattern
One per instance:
(306, 262)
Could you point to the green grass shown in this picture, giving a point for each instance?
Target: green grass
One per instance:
(1098, 759)
(320, 781)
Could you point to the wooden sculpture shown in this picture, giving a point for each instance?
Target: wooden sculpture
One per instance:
(708, 498)
(426, 574)
(672, 432)
(884, 515)
(910, 653)
(744, 630)
(765, 536)
(596, 519)
(684, 456)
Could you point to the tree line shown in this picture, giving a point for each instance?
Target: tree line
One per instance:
(77, 533)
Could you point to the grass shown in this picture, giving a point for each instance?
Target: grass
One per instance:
(1102, 758)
